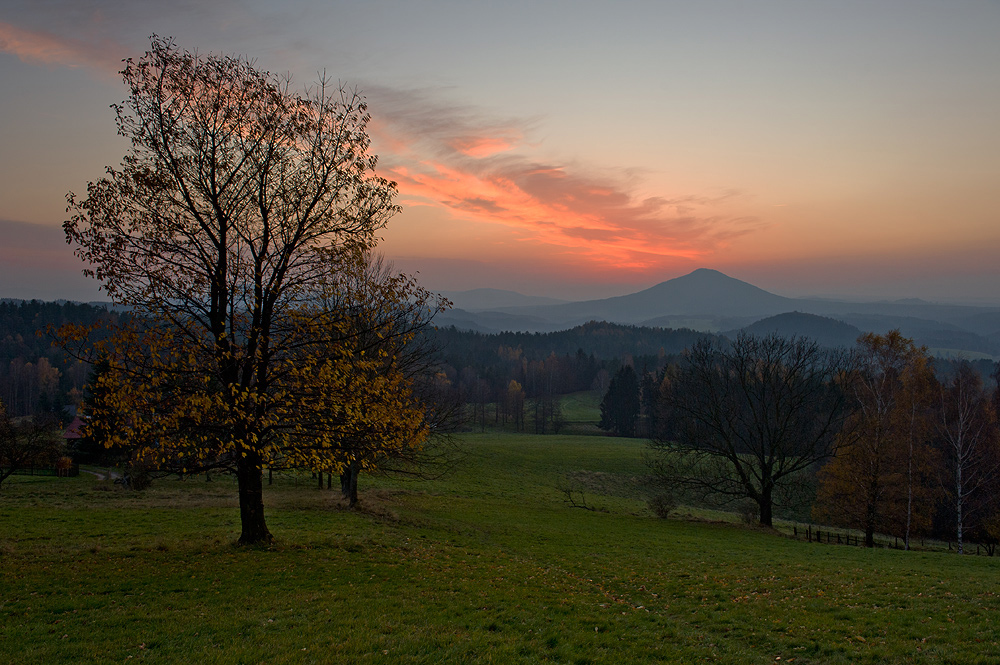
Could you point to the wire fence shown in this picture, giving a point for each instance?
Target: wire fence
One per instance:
(832, 536)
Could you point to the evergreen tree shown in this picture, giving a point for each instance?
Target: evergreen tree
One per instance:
(620, 406)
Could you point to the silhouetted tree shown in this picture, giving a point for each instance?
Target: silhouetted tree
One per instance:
(620, 406)
(745, 420)
(649, 397)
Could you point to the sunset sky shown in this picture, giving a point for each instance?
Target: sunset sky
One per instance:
(577, 149)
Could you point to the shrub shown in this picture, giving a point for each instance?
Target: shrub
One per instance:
(135, 476)
(662, 504)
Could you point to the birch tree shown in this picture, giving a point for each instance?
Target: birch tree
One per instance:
(967, 426)
(880, 469)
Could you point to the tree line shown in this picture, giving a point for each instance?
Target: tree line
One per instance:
(516, 378)
(37, 376)
(873, 437)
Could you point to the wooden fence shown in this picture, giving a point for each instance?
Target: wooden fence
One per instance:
(61, 471)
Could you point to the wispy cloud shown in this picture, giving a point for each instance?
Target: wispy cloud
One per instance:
(98, 34)
(478, 167)
(38, 47)
(481, 169)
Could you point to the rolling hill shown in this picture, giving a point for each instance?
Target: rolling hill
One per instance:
(824, 330)
(710, 301)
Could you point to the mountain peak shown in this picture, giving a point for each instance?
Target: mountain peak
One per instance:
(702, 292)
(704, 285)
(707, 271)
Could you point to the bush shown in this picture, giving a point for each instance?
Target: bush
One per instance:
(662, 504)
(136, 476)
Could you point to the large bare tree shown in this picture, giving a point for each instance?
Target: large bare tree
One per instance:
(745, 420)
(224, 229)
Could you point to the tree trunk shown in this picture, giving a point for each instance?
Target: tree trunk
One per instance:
(766, 506)
(958, 503)
(251, 490)
(909, 475)
(909, 493)
(349, 484)
(871, 515)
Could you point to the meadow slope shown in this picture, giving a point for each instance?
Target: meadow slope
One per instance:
(488, 564)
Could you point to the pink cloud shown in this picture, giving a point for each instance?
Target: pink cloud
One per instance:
(485, 146)
(481, 169)
(33, 46)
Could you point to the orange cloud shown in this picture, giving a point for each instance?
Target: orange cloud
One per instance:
(33, 46)
(479, 170)
(484, 146)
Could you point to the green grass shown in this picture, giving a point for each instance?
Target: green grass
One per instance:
(582, 407)
(581, 412)
(489, 564)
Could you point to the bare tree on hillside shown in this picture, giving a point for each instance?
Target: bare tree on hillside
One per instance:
(745, 420)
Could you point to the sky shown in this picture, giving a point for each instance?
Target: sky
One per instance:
(576, 149)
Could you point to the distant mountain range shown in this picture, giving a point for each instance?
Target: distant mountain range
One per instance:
(707, 300)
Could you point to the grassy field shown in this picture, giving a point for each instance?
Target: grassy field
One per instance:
(489, 564)
(582, 407)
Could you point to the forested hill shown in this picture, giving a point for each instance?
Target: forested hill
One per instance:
(506, 368)
(33, 372)
(823, 330)
(21, 321)
(604, 341)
